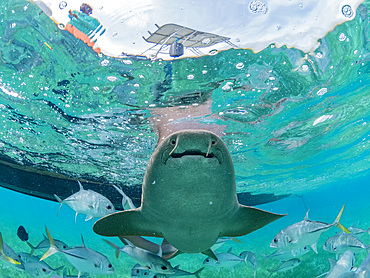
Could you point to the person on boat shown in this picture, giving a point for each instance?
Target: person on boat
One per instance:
(85, 27)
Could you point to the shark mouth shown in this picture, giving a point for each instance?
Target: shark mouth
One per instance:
(192, 152)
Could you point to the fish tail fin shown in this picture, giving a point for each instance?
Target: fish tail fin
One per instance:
(2, 254)
(116, 247)
(196, 273)
(337, 224)
(53, 247)
(264, 258)
(5, 257)
(80, 185)
(235, 239)
(33, 248)
(60, 201)
(125, 198)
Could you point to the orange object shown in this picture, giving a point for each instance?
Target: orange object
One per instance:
(82, 36)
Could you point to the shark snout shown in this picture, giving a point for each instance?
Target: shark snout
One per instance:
(193, 143)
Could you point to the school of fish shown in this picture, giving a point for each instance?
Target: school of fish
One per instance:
(153, 260)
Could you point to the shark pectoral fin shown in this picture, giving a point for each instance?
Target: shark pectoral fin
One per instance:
(125, 223)
(246, 220)
(210, 254)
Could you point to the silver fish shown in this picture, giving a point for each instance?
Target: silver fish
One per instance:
(37, 270)
(250, 257)
(287, 265)
(222, 240)
(44, 245)
(34, 267)
(306, 232)
(358, 231)
(168, 251)
(342, 242)
(363, 271)
(66, 275)
(82, 258)
(7, 254)
(224, 260)
(343, 265)
(138, 271)
(148, 260)
(88, 202)
(25, 258)
(287, 254)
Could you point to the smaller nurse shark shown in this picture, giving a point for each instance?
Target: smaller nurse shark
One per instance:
(188, 197)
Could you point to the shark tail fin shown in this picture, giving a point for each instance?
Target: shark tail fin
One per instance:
(33, 248)
(5, 257)
(116, 247)
(53, 247)
(338, 225)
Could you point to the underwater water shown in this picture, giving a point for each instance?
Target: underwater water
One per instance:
(295, 123)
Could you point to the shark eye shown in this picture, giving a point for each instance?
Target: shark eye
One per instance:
(109, 207)
(44, 269)
(137, 271)
(164, 267)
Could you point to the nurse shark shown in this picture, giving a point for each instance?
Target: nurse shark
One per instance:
(188, 197)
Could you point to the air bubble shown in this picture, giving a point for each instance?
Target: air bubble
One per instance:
(257, 7)
(239, 65)
(62, 5)
(127, 62)
(104, 63)
(190, 77)
(342, 37)
(111, 78)
(322, 91)
(347, 11)
(319, 55)
(305, 68)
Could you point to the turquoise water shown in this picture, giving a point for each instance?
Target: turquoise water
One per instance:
(294, 124)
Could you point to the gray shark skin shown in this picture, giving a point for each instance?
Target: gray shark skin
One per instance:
(188, 196)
